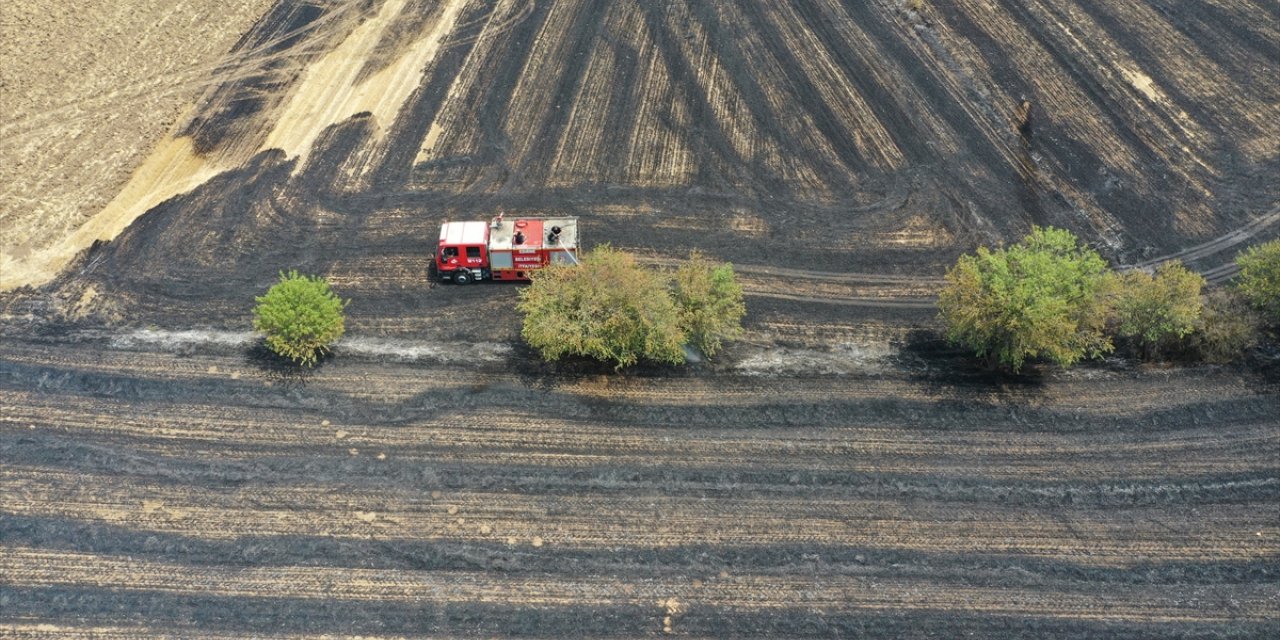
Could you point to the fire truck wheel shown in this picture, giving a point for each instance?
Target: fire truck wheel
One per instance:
(462, 277)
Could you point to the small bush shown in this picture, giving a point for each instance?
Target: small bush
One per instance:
(1227, 328)
(1157, 309)
(300, 317)
(607, 308)
(1043, 297)
(710, 302)
(1259, 278)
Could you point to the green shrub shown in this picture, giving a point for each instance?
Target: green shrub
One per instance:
(1045, 296)
(607, 308)
(1226, 329)
(710, 302)
(1156, 309)
(1259, 278)
(300, 317)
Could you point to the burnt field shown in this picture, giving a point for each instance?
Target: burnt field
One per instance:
(167, 484)
(838, 473)
(844, 138)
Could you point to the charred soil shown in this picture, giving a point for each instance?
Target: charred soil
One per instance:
(835, 474)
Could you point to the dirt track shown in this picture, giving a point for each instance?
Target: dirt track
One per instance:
(837, 474)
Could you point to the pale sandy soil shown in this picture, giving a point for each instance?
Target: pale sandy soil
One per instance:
(81, 195)
(87, 89)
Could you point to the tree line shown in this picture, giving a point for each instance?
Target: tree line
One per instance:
(608, 308)
(1046, 298)
(1049, 297)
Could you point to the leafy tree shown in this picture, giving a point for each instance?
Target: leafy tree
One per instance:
(607, 308)
(1226, 329)
(1259, 278)
(1153, 309)
(1042, 297)
(710, 302)
(300, 317)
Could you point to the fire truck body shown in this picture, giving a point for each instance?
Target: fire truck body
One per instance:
(504, 249)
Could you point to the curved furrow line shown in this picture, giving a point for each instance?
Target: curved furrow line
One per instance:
(1227, 532)
(1221, 425)
(1092, 536)
(863, 401)
(218, 440)
(1219, 244)
(1214, 275)
(32, 567)
(1221, 274)
(492, 29)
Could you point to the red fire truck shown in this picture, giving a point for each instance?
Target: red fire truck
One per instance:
(504, 249)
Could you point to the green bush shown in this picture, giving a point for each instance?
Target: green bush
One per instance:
(300, 317)
(1259, 278)
(607, 308)
(1156, 309)
(1226, 329)
(710, 302)
(1045, 296)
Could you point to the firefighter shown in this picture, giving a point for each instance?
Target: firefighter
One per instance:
(1023, 116)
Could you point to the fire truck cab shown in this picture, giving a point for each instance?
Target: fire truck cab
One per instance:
(503, 249)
